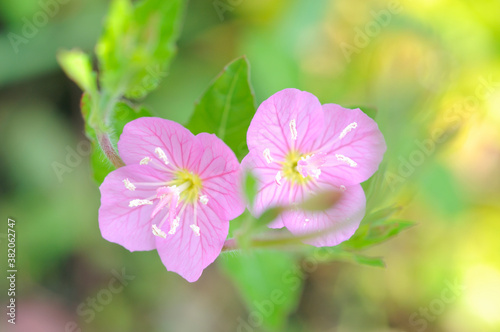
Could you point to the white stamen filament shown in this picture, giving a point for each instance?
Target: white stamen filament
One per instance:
(139, 202)
(347, 129)
(346, 160)
(267, 155)
(195, 229)
(278, 178)
(204, 199)
(342, 187)
(158, 232)
(293, 129)
(145, 161)
(129, 185)
(161, 154)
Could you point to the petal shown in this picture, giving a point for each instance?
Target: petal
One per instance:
(120, 223)
(364, 144)
(219, 171)
(271, 127)
(142, 136)
(188, 254)
(342, 220)
(270, 193)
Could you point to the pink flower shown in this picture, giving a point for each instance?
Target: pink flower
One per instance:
(176, 194)
(298, 148)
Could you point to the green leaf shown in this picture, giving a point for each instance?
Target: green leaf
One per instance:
(138, 45)
(227, 107)
(121, 115)
(270, 284)
(376, 233)
(250, 187)
(78, 66)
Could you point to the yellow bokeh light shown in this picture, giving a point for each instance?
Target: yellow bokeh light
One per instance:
(482, 293)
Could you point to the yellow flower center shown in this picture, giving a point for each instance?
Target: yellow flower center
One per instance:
(190, 183)
(289, 170)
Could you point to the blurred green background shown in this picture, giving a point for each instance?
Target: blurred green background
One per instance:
(432, 70)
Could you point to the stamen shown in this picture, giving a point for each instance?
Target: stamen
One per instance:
(158, 232)
(167, 195)
(267, 155)
(195, 229)
(128, 185)
(204, 199)
(310, 165)
(145, 161)
(139, 202)
(278, 178)
(161, 154)
(347, 129)
(346, 160)
(293, 129)
(173, 226)
(342, 187)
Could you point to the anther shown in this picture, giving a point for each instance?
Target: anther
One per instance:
(129, 185)
(145, 161)
(267, 155)
(139, 202)
(293, 129)
(347, 129)
(161, 154)
(346, 160)
(195, 229)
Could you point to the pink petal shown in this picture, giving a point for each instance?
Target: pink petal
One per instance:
(270, 193)
(271, 125)
(142, 136)
(188, 254)
(364, 144)
(120, 223)
(219, 171)
(342, 220)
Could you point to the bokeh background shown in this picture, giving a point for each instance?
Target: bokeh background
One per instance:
(432, 70)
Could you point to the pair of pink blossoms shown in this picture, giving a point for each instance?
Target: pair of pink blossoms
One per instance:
(179, 191)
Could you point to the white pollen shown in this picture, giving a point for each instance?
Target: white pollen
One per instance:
(161, 154)
(158, 232)
(129, 185)
(347, 129)
(145, 161)
(139, 202)
(278, 178)
(342, 187)
(195, 229)
(346, 160)
(315, 173)
(267, 155)
(293, 129)
(307, 220)
(173, 226)
(204, 199)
